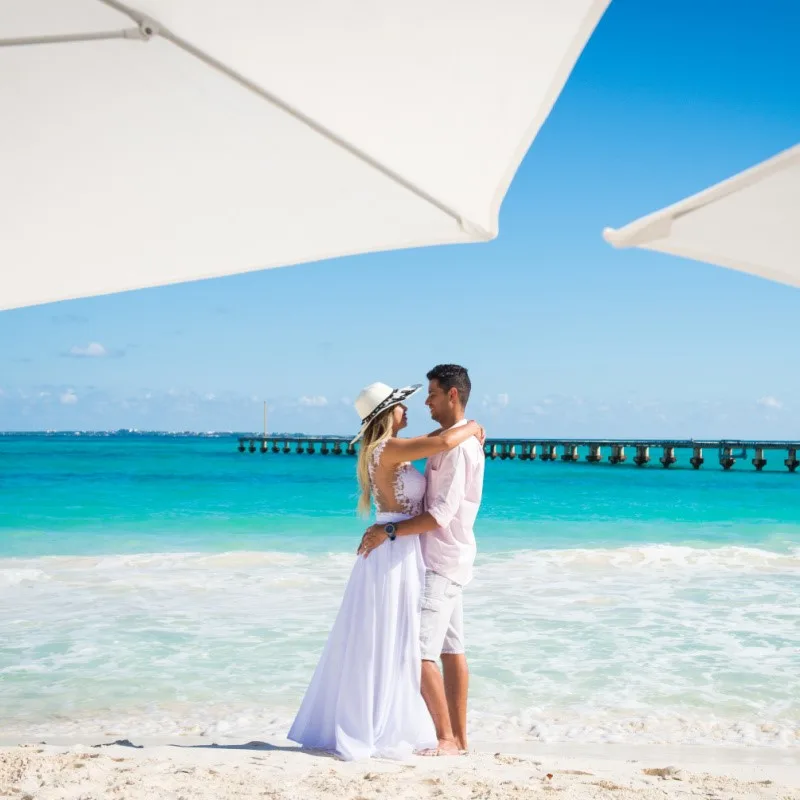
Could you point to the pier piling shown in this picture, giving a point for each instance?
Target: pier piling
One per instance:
(642, 457)
(668, 459)
(570, 453)
(726, 458)
(549, 452)
(617, 454)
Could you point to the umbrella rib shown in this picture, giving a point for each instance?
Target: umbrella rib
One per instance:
(154, 28)
(466, 225)
(128, 33)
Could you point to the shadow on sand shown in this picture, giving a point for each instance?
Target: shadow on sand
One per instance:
(254, 745)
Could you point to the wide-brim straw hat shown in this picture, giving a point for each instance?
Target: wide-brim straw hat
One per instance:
(376, 398)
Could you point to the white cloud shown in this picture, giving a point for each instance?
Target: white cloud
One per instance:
(92, 350)
(44, 394)
(538, 411)
(770, 402)
(502, 399)
(317, 401)
(69, 398)
(210, 396)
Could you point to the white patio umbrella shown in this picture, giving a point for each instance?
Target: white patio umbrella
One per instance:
(750, 222)
(171, 140)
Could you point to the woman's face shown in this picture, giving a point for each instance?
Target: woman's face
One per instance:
(400, 415)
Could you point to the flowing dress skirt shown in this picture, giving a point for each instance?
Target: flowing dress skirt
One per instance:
(364, 698)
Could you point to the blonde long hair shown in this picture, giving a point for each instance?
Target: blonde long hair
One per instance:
(380, 430)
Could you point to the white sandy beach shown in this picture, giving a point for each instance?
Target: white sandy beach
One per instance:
(223, 770)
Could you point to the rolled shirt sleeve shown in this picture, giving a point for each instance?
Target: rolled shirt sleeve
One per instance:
(451, 486)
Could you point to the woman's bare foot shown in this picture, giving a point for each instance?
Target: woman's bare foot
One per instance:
(446, 747)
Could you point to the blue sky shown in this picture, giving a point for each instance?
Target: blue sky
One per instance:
(563, 335)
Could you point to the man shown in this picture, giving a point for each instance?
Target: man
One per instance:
(453, 496)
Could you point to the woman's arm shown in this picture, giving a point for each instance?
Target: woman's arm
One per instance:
(399, 450)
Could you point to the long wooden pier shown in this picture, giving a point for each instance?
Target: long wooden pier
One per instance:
(728, 452)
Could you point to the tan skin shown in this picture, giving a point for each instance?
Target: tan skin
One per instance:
(446, 409)
(445, 697)
(399, 451)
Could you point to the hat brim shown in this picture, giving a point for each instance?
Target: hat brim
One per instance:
(397, 396)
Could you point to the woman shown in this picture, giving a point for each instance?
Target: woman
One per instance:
(364, 698)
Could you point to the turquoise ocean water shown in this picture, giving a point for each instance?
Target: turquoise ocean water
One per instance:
(170, 585)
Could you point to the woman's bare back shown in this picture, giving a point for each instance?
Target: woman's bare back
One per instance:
(397, 488)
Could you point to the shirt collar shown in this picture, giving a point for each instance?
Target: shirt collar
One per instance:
(458, 424)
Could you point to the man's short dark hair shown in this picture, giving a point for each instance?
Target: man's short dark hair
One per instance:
(450, 376)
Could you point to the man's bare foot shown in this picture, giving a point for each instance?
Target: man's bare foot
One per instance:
(446, 747)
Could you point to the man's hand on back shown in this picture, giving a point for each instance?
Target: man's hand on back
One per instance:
(373, 537)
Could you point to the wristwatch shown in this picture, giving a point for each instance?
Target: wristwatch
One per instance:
(390, 529)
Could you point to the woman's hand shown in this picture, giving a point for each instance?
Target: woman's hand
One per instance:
(374, 537)
(480, 432)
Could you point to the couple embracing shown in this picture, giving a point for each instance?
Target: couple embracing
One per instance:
(377, 690)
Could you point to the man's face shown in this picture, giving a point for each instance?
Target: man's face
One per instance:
(437, 401)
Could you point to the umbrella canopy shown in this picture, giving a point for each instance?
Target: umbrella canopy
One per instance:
(171, 140)
(750, 222)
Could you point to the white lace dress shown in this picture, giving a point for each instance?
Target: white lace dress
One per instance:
(364, 698)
